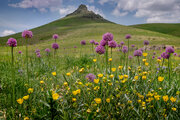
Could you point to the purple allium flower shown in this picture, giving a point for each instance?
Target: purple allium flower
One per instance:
(169, 50)
(90, 77)
(133, 46)
(47, 50)
(92, 41)
(122, 43)
(96, 43)
(137, 53)
(83, 42)
(178, 55)
(165, 55)
(20, 52)
(112, 44)
(12, 42)
(103, 43)
(75, 46)
(153, 57)
(130, 57)
(119, 45)
(55, 36)
(38, 54)
(100, 49)
(27, 34)
(37, 51)
(125, 49)
(175, 54)
(154, 53)
(55, 46)
(159, 57)
(128, 36)
(108, 37)
(146, 42)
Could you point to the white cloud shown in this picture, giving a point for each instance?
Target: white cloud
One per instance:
(66, 10)
(96, 10)
(91, 1)
(7, 32)
(152, 10)
(41, 5)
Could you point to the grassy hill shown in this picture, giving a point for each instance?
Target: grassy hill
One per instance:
(170, 29)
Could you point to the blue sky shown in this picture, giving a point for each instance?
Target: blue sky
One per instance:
(18, 15)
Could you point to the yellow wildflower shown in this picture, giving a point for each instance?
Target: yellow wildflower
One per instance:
(74, 99)
(160, 79)
(30, 90)
(146, 63)
(113, 69)
(173, 99)
(54, 73)
(110, 59)
(74, 92)
(125, 76)
(121, 77)
(108, 100)
(158, 60)
(144, 77)
(68, 74)
(80, 83)
(173, 108)
(55, 96)
(20, 101)
(165, 98)
(88, 111)
(120, 67)
(145, 54)
(81, 70)
(123, 81)
(41, 82)
(136, 77)
(96, 81)
(139, 101)
(78, 91)
(26, 97)
(97, 100)
(100, 75)
(65, 84)
(157, 97)
(111, 76)
(144, 60)
(94, 60)
(129, 101)
(26, 118)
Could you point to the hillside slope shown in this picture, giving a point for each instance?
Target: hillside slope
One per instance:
(171, 29)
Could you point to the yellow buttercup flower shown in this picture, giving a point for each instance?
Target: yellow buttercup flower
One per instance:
(97, 100)
(96, 88)
(157, 97)
(143, 104)
(108, 100)
(42, 82)
(54, 73)
(74, 92)
(160, 79)
(100, 75)
(165, 98)
(88, 111)
(94, 60)
(113, 69)
(120, 67)
(145, 54)
(26, 97)
(129, 101)
(123, 81)
(125, 76)
(111, 76)
(139, 101)
(55, 96)
(144, 60)
(30, 90)
(144, 77)
(65, 84)
(68, 74)
(96, 81)
(173, 99)
(74, 99)
(158, 60)
(20, 100)
(81, 70)
(78, 91)
(121, 77)
(110, 59)
(136, 77)
(146, 64)
(144, 73)
(26, 118)
(80, 83)
(173, 108)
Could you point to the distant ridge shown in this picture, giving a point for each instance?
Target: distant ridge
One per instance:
(84, 12)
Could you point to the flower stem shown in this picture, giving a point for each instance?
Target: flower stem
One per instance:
(13, 81)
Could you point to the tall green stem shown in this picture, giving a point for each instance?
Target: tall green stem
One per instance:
(13, 81)
(27, 68)
(127, 57)
(169, 70)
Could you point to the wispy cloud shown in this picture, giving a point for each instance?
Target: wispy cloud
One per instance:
(7, 32)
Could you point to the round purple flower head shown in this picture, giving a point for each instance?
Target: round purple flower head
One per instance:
(27, 34)
(12, 42)
(175, 54)
(159, 57)
(128, 36)
(90, 77)
(133, 46)
(92, 41)
(146, 42)
(83, 42)
(178, 55)
(121, 43)
(20, 52)
(137, 53)
(55, 36)
(38, 55)
(47, 50)
(130, 57)
(154, 53)
(100, 49)
(37, 51)
(125, 49)
(108, 37)
(75, 46)
(165, 55)
(96, 43)
(55, 46)
(153, 57)
(112, 44)
(103, 43)
(169, 50)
